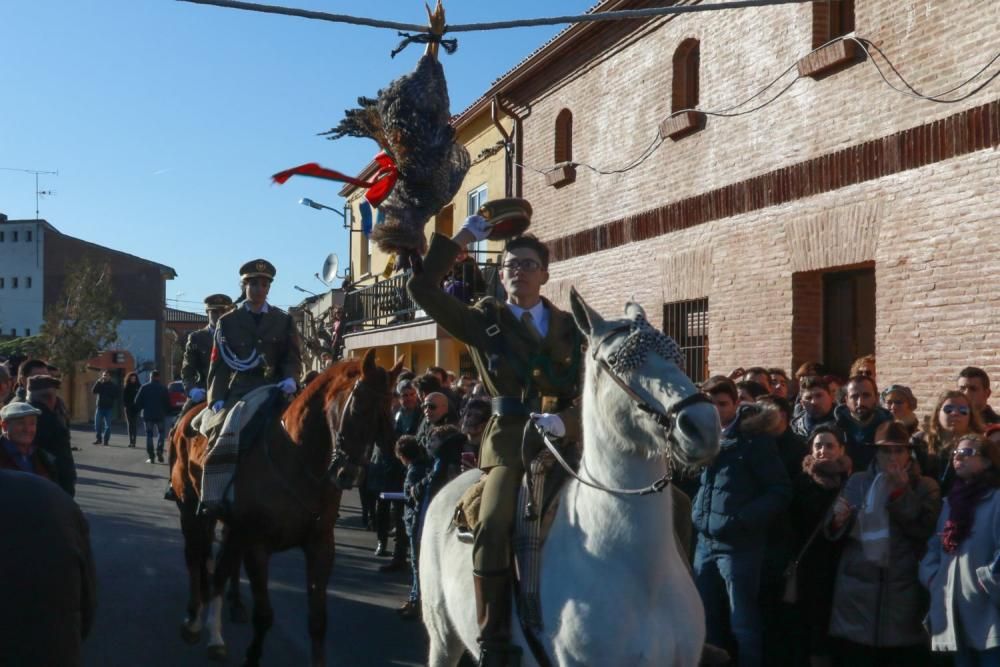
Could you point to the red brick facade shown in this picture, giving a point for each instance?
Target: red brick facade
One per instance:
(751, 211)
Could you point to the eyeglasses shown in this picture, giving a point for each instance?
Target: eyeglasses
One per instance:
(965, 452)
(952, 409)
(526, 265)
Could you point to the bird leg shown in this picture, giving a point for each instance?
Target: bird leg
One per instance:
(435, 21)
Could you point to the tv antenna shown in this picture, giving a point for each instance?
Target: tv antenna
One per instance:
(38, 191)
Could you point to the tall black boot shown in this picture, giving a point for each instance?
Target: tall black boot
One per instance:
(493, 612)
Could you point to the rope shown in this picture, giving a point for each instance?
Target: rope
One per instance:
(253, 360)
(450, 45)
(624, 14)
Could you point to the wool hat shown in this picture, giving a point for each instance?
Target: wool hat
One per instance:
(258, 268)
(18, 410)
(43, 382)
(507, 217)
(218, 302)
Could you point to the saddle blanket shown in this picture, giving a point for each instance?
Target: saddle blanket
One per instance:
(225, 426)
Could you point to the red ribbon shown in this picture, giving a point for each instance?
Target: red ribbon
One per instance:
(377, 189)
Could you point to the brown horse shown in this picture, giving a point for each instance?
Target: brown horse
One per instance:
(288, 486)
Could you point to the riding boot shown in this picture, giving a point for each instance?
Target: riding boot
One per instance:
(493, 612)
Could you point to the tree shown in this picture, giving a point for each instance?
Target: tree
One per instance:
(85, 318)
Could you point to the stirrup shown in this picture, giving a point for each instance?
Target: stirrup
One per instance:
(499, 654)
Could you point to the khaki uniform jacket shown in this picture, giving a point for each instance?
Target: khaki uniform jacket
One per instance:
(275, 339)
(197, 357)
(514, 366)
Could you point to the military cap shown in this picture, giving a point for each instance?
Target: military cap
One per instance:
(218, 302)
(43, 382)
(507, 217)
(258, 268)
(18, 410)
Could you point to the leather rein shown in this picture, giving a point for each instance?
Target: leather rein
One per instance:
(666, 420)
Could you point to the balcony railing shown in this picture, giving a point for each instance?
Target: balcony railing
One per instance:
(387, 303)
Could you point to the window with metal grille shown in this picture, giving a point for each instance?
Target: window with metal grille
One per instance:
(687, 323)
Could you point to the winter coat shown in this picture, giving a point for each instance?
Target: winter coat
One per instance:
(962, 584)
(107, 393)
(128, 397)
(741, 491)
(154, 401)
(803, 424)
(877, 606)
(860, 436)
(53, 437)
(415, 473)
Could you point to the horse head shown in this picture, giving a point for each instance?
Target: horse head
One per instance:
(634, 376)
(364, 419)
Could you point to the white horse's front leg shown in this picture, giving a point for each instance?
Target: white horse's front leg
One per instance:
(216, 644)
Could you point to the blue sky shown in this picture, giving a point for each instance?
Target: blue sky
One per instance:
(165, 120)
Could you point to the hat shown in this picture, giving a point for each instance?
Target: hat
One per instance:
(258, 268)
(18, 410)
(900, 389)
(218, 301)
(43, 382)
(507, 217)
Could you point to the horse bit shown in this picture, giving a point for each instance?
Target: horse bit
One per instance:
(642, 338)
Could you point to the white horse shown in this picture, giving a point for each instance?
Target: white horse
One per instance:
(615, 590)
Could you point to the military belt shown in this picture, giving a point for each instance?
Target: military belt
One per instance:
(513, 406)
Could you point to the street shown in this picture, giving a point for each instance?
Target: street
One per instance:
(142, 581)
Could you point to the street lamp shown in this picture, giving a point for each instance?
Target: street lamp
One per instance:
(303, 289)
(305, 201)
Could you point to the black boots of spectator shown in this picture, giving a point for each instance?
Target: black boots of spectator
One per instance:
(493, 611)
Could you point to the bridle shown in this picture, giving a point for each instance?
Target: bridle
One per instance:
(666, 420)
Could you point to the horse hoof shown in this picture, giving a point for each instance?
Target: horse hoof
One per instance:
(217, 652)
(190, 636)
(238, 614)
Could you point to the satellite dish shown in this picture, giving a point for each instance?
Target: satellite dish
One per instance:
(329, 271)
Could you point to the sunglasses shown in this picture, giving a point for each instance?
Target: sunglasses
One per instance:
(952, 409)
(965, 452)
(526, 265)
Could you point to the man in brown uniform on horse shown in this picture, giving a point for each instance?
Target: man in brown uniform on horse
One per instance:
(528, 356)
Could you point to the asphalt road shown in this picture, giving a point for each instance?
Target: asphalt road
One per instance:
(142, 580)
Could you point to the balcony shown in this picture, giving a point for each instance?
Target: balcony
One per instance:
(386, 303)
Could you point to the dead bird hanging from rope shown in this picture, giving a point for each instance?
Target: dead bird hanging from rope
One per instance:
(421, 167)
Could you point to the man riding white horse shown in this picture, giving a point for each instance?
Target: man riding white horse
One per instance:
(528, 356)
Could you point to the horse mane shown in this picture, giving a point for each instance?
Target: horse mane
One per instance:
(326, 387)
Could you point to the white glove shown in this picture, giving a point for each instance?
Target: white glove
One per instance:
(478, 226)
(549, 424)
(197, 394)
(288, 386)
(217, 406)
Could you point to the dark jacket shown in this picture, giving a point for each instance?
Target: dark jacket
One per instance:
(128, 396)
(803, 424)
(43, 462)
(53, 437)
(415, 473)
(48, 587)
(860, 437)
(741, 491)
(197, 358)
(107, 393)
(153, 400)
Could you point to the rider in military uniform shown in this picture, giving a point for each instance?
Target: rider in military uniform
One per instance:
(198, 352)
(256, 344)
(528, 354)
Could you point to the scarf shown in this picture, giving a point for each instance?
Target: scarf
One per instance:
(962, 501)
(873, 520)
(828, 473)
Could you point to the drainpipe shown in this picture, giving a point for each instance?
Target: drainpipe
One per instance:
(512, 146)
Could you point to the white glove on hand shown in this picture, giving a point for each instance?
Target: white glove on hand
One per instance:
(478, 226)
(549, 424)
(217, 406)
(288, 386)
(197, 394)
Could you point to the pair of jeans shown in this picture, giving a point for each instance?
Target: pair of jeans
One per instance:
(160, 427)
(414, 539)
(729, 584)
(102, 424)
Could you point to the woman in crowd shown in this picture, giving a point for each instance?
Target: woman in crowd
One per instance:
(953, 417)
(129, 392)
(901, 403)
(824, 473)
(961, 569)
(884, 517)
(863, 366)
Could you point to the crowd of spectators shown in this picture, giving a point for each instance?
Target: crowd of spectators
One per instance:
(835, 527)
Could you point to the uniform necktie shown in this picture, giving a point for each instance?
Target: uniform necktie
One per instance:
(529, 323)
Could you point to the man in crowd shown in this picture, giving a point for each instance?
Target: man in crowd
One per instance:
(19, 422)
(817, 401)
(860, 418)
(153, 400)
(107, 392)
(527, 353)
(28, 368)
(475, 417)
(975, 384)
(48, 587)
(53, 433)
(741, 492)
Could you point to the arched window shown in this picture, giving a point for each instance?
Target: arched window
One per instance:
(831, 19)
(564, 137)
(687, 59)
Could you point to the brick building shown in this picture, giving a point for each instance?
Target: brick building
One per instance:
(841, 219)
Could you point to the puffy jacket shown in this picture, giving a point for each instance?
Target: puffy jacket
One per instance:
(741, 490)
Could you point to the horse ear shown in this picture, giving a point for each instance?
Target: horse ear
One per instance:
(368, 363)
(586, 317)
(397, 367)
(634, 310)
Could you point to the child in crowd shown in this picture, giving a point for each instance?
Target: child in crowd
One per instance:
(412, 455)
